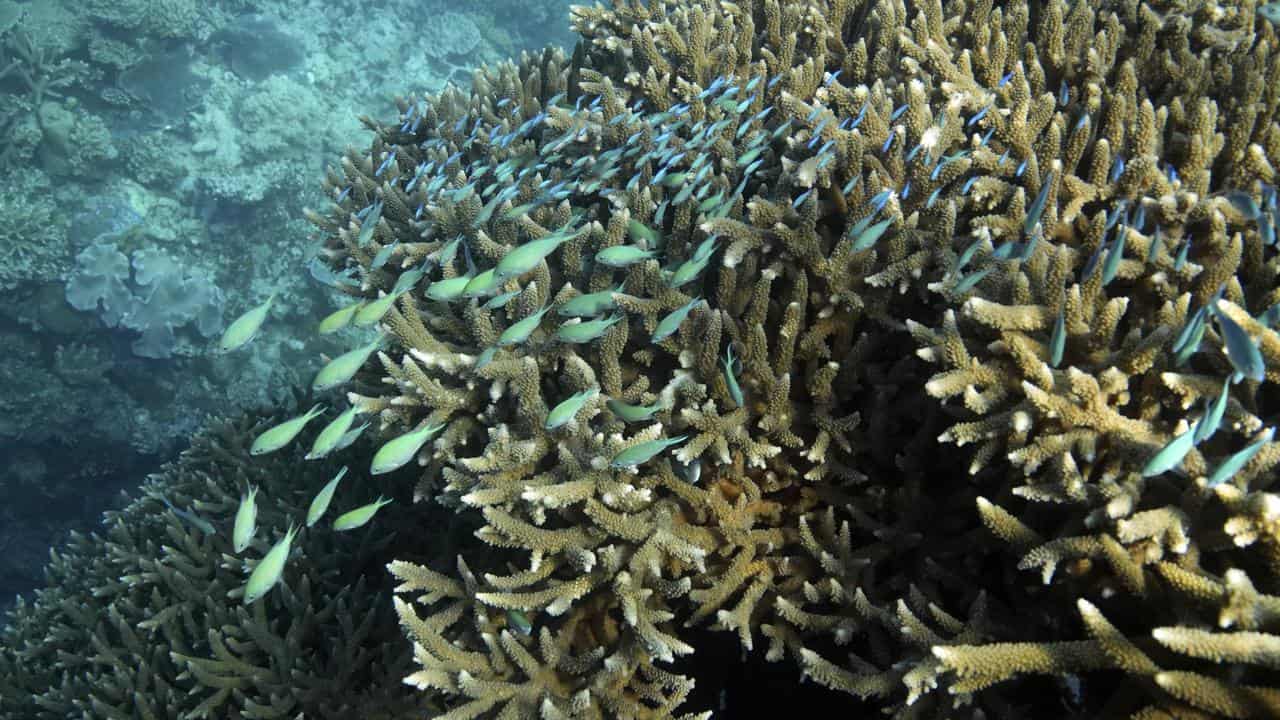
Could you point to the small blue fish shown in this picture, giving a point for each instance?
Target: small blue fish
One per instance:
(730, 379)
(1212, 417)
(968, 282)
(1005, 80)
(897, 112)
(1170, 456)
(1242, 350)
(1117, 169)
(888, 141)
(801, 198)
(977, 117)
(1058, 339)
(1239, 459)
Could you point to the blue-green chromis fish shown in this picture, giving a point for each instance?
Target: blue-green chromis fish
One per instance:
(359, 517)
(277, 437)
(481, 285)
(398, 451)
(350, 436)
(267, 572)
(449, 289)
(1239, 459)
(332, 434)
(200, 523)
(622, 256)
(245, 328)
(500, 301)
(520, 330)
(527, 256)
(1058, 339)
(369, 223)
(589, 305)
(585, 331)
(519, 622)
(344, 367)
(668, 325)
(320, 502)
(687, 271)
(1270, 12)
(731, 379)
(1170, 456)
(1037, 205)
(1242, 351)
(1208, 424)
(632, 413)
(868, 237)
(565, 411)
(246, 521)
(374, 310)
(339, 318)
(641, 453)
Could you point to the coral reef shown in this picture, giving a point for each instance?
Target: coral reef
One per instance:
(145, 620)
(864, 210)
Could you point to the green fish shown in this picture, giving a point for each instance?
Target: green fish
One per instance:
(585, 331)
(344, 367)
(499, 301)
(633, 413)
(730, 379)
(638, 454)
(868, 237)
(447, 252)
(200, 523)
(267, 572)
(589, 305)
(1232, 465)
(373, 311)
(642, 234)
(359, 517)
(1212, 418)
(485, 357)
(1171, 455)
(277, 437)
(448, 290)
(1242, 350)
(320, 502)
(562, 413)
(483, 284)
(527, 256)
(398, 451)
(668, 325)
(1058, 340)
(245, 328)
(350, 436)
(1270, 12)
(521, 329)
(328, 439)
(622, 256)
(519, 622)
(339, 318)
(246, 521)
(369, 223)
(687, 272)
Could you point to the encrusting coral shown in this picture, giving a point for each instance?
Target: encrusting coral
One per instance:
(146, 620)
(720, 166)
(931, 350)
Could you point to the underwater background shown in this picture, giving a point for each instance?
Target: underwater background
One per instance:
(649, 359)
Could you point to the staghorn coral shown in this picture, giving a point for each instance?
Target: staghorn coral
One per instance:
(811, 505)
(145, 620)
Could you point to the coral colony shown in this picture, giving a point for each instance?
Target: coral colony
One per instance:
(930, 350)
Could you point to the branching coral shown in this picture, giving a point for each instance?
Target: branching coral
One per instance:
(820, 165)
(145, 620)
